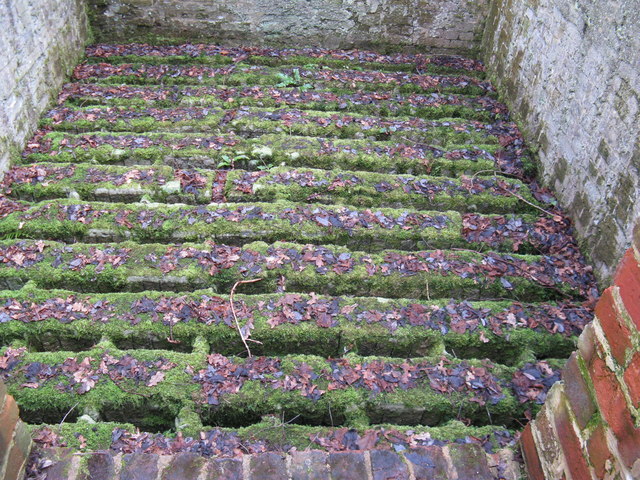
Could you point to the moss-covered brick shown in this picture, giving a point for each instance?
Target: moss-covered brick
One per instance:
(419, 391)
(207, 150)
(289, 323)
(361, 229)
(284, 76)
(302, 268)
(368, 189)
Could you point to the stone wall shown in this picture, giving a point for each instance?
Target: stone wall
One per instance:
(439, 25)
(571, 71)
(41, 41)
(589, 425)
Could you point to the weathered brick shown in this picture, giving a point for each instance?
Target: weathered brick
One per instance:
(470, 462)
(530, 454)
(311, 465)
(139, 466)
(550, 451)
(184, 466)
(100, 466)
(632, 379)
(587, 343)
(577, 392)
(225, 469)
(3, 393)
(615, 330)
(8, 420)
(613, 406)
(61, 467)
(598, 450)
(15, 463)
(571, 447)
(347, 465)
(387, 465)
(428, 463)
(628, 280)
(267, 466)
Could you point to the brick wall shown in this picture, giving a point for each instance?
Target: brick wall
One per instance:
(569, 71)
(15, 441)
(441, 25)
(590, 425)
(40, 42)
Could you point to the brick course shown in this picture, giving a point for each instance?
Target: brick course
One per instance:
(584, 437)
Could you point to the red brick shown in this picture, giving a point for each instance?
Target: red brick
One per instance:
(632, 379)
(598, 450)
(628, 279)
(530, 454)
(614, 410)
(617, 333)
(8, 420)
(576, 462)
(577, 392)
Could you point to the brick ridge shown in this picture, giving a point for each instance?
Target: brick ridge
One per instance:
(450, 460)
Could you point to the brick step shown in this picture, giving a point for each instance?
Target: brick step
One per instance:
(149, 388)
(217, 151)
(364, 189)
(239, 74)
(386, 104)
(164, 184)
(254, 121)
(454, 461)
(451, 451)
(189, 54)
(282, 266)
(361, 229)
(286, 323)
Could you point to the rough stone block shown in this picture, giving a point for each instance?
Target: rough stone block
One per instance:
(577, 392)
(428, 463)
(225, 469)
(184, 466)
(615, 330)
(62, 465)
(387, 465)
(347, 465)
(139, 466)
(628, 281)
(310, 465)
(267, 466)
(470, 462)
(100, 466)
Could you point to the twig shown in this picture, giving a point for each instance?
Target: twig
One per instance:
(66, 415)
(233, 310)
(521, 198)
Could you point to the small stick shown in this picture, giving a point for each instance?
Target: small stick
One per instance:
(65, 416)
(233, 310)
